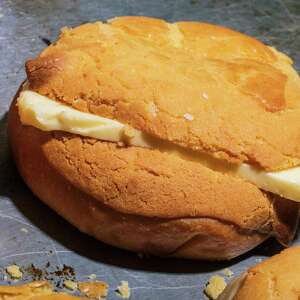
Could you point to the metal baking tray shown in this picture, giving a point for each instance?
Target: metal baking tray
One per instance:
(30, 233)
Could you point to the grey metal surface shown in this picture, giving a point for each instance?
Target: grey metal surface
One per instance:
(24, 28)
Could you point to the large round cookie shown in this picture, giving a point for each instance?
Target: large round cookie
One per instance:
(149, 74)
(275, 278)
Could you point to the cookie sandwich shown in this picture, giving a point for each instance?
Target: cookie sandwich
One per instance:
(175, 139)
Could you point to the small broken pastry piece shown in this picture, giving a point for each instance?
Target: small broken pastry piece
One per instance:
(275, 278)
(37, 290)
(14, 271)
(123, 290)
(215, 287)
(70, 285)
(93, 289)
(168, 139)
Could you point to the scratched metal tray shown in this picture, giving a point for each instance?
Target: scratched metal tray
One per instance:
(30, 233)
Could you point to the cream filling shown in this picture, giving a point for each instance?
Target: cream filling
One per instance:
(48, 115)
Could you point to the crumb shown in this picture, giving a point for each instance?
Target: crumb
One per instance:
(215, 287)
(14, 272)
(70, 285)
(129, 132)
(24, 230)
(94, 290)
(123, 290)
(188, 117)
(92, 276)
(205, 96)
(227, 272)
(175, 35)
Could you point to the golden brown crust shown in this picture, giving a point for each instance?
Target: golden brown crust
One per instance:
(37, 290)
(162, 204)
(243, 95)
(277, 278)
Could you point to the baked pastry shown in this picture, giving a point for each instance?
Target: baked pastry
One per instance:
(275, 278)
(163, 138)
(37, 290)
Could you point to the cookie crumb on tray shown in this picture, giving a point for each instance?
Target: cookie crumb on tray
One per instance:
(123, 290)
(94, 290)
(70, 285)
(14, 272)
(227, 272)
(215, 287)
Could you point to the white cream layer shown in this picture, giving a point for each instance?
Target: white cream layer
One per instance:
(48, 115)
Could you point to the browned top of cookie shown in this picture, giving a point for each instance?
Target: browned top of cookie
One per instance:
(198, 85)
(277, 278)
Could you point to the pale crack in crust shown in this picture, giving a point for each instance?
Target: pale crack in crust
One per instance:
(273, 287)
